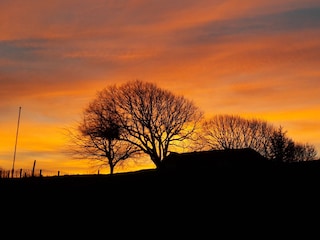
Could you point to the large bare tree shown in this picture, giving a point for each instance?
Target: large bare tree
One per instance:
(155, 120)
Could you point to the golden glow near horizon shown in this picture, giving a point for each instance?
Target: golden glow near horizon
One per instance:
(252, 58)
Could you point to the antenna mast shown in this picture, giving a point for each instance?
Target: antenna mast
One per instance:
(15, 146)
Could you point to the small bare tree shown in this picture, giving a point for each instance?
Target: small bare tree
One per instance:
(99, 135)
(309, 153)
(305, 152)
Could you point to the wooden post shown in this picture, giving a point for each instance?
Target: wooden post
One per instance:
(34, 165)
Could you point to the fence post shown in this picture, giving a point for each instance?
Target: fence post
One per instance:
(34, 164)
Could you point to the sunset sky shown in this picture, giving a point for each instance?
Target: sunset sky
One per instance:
(252, 58)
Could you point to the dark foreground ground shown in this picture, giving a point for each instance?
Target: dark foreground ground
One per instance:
(270, 180)
(192, 176)
(236, 202)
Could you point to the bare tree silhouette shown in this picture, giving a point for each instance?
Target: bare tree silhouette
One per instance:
(234, 132)
(135, 117)
(154, 119)
(98, 136)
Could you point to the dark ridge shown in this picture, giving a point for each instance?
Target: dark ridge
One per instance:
(192, 174)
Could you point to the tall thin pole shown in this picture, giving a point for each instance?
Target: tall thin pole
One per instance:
(15, 146)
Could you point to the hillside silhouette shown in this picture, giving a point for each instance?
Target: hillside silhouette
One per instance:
(184, 173)
(191, 190)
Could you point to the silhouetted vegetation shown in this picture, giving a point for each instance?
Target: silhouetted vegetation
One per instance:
(136, 117)
(235, 132)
